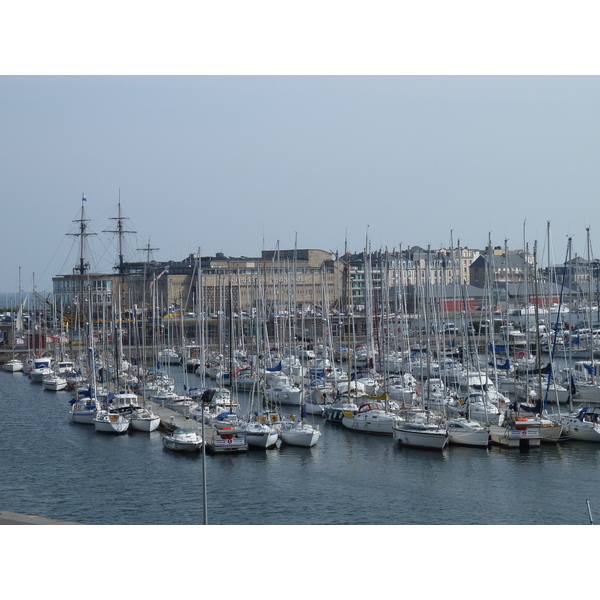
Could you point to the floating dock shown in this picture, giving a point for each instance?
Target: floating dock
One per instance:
(515, 437)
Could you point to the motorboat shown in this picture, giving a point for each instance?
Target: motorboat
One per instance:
(402, 388)
(65, 367)
(467, 432)
(183, 440)
(54, 382)
(40, 367)
(13, 365)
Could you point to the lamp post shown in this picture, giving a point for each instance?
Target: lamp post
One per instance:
(204, 503)
(206, 398)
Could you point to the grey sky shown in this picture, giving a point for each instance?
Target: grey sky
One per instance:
(238, 163)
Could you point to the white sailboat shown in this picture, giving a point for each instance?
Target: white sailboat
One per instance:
(259, 435)
(110, 421)
(14, 365)
(583, 425)
(83, 408)
(421, 433)
(300, 433)
(372, 417)
(143, 418)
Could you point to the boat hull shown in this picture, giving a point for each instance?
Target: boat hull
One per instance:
(463, 433)
(171, 444)
(111, 423)
(83, 417)
(301, 436)
(13, 366)
(261, 440)
(145, 424)
(434, 440)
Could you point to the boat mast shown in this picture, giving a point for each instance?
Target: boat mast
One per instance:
(589, 302)
(538, 350)
(121, 270)
(82, 268)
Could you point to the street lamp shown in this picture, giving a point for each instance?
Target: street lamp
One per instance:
(206, 398)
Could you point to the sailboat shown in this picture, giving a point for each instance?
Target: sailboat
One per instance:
(300, 433)
(14, 365)
(416, 428)
(371, 417)
(420, 432)
(107, 420)
(143, 418)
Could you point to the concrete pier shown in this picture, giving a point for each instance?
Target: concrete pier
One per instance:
(11, 518)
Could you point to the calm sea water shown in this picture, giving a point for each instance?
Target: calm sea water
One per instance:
(50, 467)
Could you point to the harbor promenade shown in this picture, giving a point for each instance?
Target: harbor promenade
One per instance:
(11, 518)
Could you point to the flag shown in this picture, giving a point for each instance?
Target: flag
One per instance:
(83, 198)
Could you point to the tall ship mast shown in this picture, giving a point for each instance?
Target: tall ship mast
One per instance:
(82, 267)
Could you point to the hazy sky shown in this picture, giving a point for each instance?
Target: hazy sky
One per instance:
(236, 164)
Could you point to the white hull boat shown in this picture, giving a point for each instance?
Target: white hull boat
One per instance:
(284, 393)
(260, 435)
(54, 383)
(169, 357)
(314, 409)
(144, 419)
(300, 434)
(13, 366)
(418, 433)
(583, 425)
(110, 422)
(371, 417)
(83, 412)
(475, 408)
(466, 432)
(40, 367)
(183, 440)
(37, 375)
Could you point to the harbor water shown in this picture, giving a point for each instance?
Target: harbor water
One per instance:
(52, 468)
